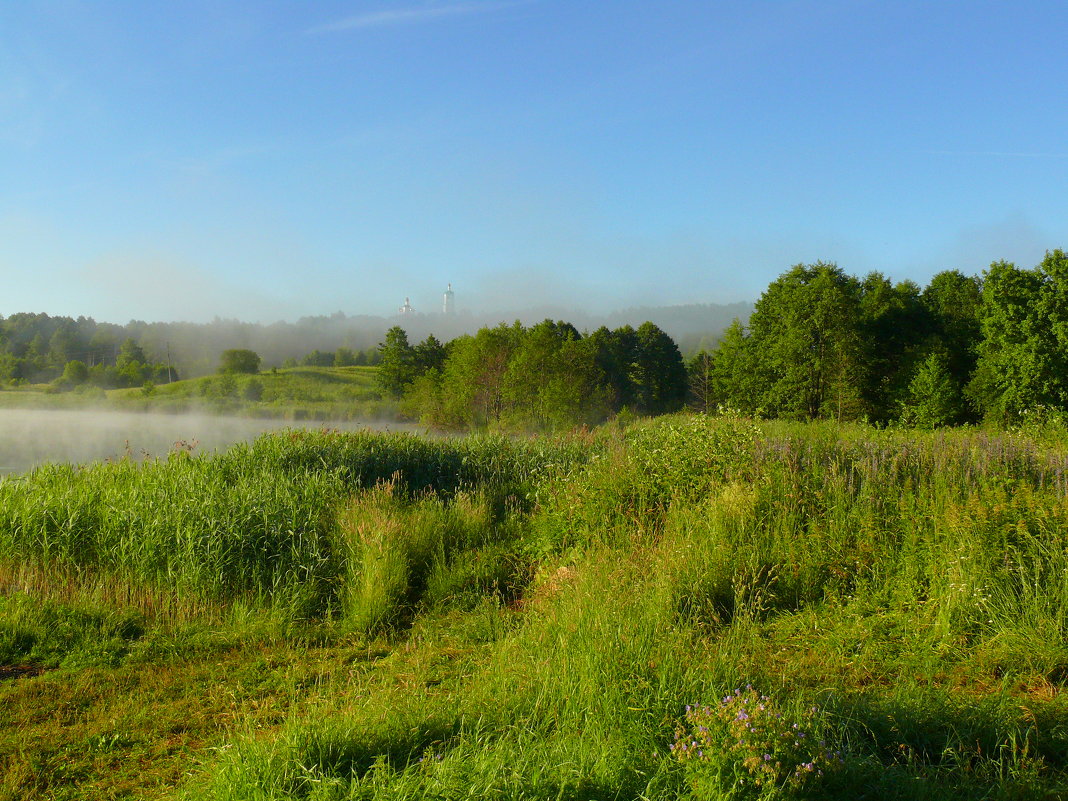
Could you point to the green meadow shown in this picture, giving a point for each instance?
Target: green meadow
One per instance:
(689, 607)
(293, 393)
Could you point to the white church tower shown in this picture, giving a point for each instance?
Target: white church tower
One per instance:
(448, 306)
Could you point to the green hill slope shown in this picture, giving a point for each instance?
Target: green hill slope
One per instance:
(297, 393)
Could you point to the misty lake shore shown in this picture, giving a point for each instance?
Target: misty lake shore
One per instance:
(32, 437)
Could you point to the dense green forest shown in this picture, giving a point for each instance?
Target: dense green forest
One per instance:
(542, 377)
(823, 344)
(35, 348)
(819, 344)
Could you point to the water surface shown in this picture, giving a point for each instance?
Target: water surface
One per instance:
(29, 437)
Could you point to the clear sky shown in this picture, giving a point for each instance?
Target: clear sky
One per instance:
(273, 159)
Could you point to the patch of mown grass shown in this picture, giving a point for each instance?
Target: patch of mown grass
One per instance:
(135, 727)
(50, 634)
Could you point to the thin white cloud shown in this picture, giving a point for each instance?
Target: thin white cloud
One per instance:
(412, 16)
(997, 154)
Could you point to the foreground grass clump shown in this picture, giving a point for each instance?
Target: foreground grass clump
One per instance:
(257, 523)
(574, 619)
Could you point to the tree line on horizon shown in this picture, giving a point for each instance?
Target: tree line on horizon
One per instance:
(36, 348)
(820, 344)
(964, 349)
(337, 339)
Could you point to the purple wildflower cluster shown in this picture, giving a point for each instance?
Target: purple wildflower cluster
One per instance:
(750, 728)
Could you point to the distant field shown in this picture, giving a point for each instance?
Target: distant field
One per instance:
(298, 393)
(683, 608)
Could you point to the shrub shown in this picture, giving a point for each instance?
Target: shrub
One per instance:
(239, 360)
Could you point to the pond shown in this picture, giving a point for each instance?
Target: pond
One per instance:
(29, 437)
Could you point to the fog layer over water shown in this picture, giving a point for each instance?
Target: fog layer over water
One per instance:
(30, 437)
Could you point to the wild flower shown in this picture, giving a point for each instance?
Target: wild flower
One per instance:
(748, 730)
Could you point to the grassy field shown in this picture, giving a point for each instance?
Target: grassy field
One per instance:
(297, 393)
(684, 608)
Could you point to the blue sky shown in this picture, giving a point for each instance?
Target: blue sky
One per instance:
(269, 160)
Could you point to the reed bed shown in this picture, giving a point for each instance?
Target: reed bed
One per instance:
(256, 523)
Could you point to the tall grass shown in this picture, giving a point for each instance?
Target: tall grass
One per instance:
(554, 606)
(904, 595)
(257, 523)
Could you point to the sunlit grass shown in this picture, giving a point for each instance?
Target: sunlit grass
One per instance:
(531, 619)
(295, 393)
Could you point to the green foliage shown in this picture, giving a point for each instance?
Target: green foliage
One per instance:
(1022, 355)
(327, 394)
(239, 360)
(472, 379)
(52, 634)
(733, 373)
(954, 301)
(318, 358)
(933, 399)
(430, 354)
(614, 355)
(252, 390)
(130, 352)
(400, 555)
(894, 328)
(658, 372)
(746, 740)
(345, 357)
(547, 377)
(255, 522)
(805, 337)
(702, 389)
(75, 373)
(552, 380)
(398, 365)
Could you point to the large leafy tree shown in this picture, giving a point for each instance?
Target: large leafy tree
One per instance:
(1017, 370)
(658, 371)
(239, 360)
(805, 345)
(1052, 314)
(953, 301)
(129, 352)
(430, 354)
(702, 391)
(933, 398)
(473, 378)
(614, 353)
(733, 371)
(63, 344)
